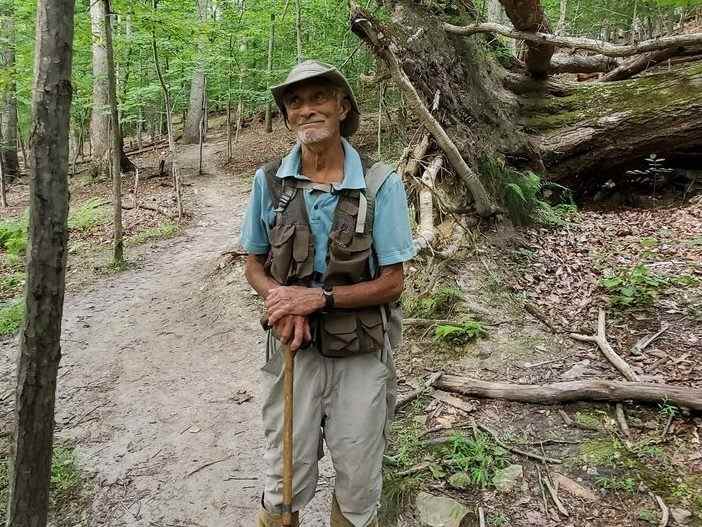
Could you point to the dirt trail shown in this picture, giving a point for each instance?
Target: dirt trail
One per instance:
(154, 362)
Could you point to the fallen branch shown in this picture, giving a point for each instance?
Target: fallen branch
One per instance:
(646, 341)
(411, 396)
(636, 65)
(425, 234)
(601, 340)
(554, 497)
(365, 30)
(665, 513)
(598, 46)
(153, 209)
(559, 392)
(566, 63)
(417, 155)
(621, 420)
(209, 465)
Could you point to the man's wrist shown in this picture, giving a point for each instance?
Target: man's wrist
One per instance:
(327, 298)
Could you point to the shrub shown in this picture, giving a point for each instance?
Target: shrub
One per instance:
(459, 333)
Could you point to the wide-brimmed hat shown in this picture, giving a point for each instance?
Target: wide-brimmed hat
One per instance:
(313, 69)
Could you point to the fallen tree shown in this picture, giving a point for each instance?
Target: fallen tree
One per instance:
(578, 134)
(562, 392)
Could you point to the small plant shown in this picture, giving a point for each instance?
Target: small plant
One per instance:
(459, 333)
(478, 457)
(617, 484)
(90, 214)
(13, 239)
(11, 316)
(498, 520)
(163, 231)
(668, 410)
(633, 287)
(65, 479)
(11, 283)
(440, 304)
(648, 516)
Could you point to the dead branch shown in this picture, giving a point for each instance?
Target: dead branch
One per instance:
(153, 209)
(517, 450)
(601, 340)
(362, 26)
(643, 343)
(636, 65)
(209, 465)
(559, 392)
(665, 513)
(425, 234)
(621, 420)
(566, 63)
(481, 517)
(598, 46)
(417, 155)
(411, 396)
(533, 310)
(554, 497)
(454, 401)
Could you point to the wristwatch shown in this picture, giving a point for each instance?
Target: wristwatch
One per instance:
(328, 293)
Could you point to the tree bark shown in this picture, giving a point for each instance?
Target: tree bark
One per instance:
(40, 344)
(9, 118)
(561, 392)
(191, 131)
(636, 65)
(115, 142)
(528, 15)
(565, 63)
(599, 128)
(539, 38)
(298, 31)
(100, 136)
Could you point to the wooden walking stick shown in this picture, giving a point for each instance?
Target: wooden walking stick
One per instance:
(288, 375)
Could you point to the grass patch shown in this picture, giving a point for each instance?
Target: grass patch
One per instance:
(11, 284)
(89, 214)
(64, 487)
(162, 232)
(11, 316)
(440, 304)
(13, 240)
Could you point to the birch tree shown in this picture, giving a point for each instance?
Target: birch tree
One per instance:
(40, 339)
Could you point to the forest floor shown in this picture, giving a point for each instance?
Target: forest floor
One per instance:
(159, 399)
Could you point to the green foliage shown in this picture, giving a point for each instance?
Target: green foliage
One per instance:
(163, 231)
(498, 520)
(397, 495)
(65, 478)
(648, 516)
(638, 286)
(617, 483)
(478, 457)
(10, 283)
(441, 303)
(11, 316)
(13, 239)
(460, 333)
(89, 214)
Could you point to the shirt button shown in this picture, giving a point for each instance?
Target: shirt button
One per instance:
(316, 206)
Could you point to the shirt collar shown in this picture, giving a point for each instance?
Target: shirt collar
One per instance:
(353, 168)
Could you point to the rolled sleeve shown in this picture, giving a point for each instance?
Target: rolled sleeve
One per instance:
(392, 236)
(254, 230)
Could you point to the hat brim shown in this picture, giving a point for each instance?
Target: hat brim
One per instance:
(350, 125)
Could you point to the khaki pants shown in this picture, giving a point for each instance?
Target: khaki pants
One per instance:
(348, 402)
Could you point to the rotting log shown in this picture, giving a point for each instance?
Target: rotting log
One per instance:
(593, 128)
(563, 392)
(566, 63)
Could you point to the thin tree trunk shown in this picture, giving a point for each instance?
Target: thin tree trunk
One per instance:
(40, 339)
(9, 147)
(100, 121)
(380, 114)
(193, 121)
(269, 106)
(3, 192)
(560, 28)
(229, 102)
(298, 30)
(25, 159)
(169, 123)
(203, 128)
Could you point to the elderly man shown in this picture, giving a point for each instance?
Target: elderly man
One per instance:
(327, 235)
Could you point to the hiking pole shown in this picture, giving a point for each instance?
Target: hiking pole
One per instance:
(288, 374)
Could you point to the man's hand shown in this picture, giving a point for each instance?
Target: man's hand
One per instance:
(293, 330)
(292, 300)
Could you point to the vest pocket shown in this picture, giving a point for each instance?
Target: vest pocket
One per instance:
(371, 332)
(281, 251)
(349, 263)
(338, 335)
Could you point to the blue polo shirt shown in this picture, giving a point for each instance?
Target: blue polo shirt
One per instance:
(392, 237)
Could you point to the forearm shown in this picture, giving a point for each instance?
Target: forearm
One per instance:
(386, 288)
(256, 275)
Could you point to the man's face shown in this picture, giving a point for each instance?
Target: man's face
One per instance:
(315, 111)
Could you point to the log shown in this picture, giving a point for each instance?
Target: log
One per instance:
(597, 46)
(561, 392)
(378, 42)
(636, 65)
(565, 63)
(426, 231)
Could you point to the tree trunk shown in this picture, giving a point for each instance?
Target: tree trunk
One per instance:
(40, 339)
(269, 106)
(528, 15)
(193, 121)
(100, 136)
(298, 30)
(3, 190)
(9, 118)
(115, 142)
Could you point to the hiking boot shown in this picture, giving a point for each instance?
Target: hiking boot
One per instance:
(266, 519)
(338, 520)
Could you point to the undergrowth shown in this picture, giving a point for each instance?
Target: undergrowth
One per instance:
(89, 214)
(163, 231)
(476, 459)
(638, 286)
(459, 333)
(13, 240)
(11, 316)
(440, 304)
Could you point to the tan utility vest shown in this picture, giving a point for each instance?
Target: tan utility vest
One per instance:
(338, 332)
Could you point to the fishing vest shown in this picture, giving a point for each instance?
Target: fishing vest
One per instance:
(290, 261)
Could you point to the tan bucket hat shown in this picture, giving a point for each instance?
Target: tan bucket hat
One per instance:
(311, 69)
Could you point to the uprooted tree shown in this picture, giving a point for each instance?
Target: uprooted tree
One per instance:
(497, 117)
